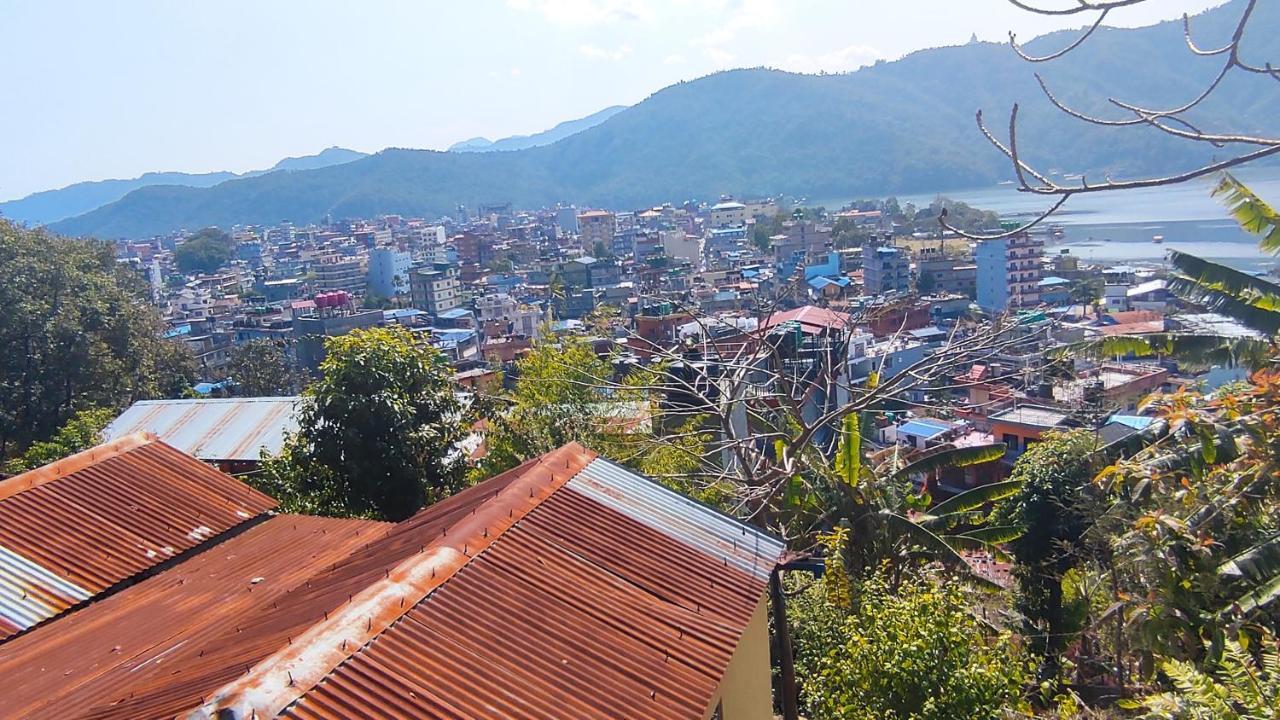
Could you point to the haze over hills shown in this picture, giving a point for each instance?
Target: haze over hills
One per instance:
(52, 205)
(896, 127)
(521, 142)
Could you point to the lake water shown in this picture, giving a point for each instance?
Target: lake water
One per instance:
(1118, 226)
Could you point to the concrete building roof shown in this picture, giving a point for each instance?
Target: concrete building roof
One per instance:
(1032, 415)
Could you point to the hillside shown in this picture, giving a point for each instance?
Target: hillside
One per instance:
(521, 142)
(49, 206)
(896, 127)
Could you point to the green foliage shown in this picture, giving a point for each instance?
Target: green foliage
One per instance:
(261, 368)
(1053, 506)
(81, 432)
(560, 395)
(204, 252)
(1252, 300)
(906, 650)
(77, 332)
(1253, 213)
(1193, 352)
(1242, 685)
(377, 432)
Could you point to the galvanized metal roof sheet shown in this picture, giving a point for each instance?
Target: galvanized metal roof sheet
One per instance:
(74, 528)
(150, 650)
(213, 429)
(613, 597)
(567, 587)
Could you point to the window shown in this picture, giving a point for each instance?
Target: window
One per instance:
(1011, 441)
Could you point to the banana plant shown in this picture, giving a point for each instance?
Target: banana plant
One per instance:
(887, 520)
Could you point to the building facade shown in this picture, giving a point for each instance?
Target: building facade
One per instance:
(435, 288)
(1009, 272)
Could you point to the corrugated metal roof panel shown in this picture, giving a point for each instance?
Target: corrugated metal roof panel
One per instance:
(213, 429)
(149, 651)
(614, 597)
(555, 605)
(74, 528)
(675, 515)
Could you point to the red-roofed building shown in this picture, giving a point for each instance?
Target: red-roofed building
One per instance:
(565, 587)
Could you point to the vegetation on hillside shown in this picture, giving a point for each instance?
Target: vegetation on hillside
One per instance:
(377, 434)
(896, 127)
(204, 252)
(78, 332)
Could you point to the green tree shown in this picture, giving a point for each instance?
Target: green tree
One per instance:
(377, 434)
(261, 368)
(204, 252)
(77, 332)
(561, 394)
(1053, 508)
(910, 650)
(1240, 686)
(81, 432)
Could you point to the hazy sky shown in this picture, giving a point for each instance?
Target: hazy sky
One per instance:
(99, 89)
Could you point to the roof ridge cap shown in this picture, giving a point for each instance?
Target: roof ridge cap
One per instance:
(74, 463)
(280, 679)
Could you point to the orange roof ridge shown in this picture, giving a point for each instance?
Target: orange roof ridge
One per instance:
(73, 463)
(283, 677)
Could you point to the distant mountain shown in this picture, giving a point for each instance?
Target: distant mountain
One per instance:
(325, 158)
(893, 128)
(52, 205)
(522, 142)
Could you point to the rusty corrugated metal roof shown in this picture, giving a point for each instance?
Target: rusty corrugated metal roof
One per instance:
(135, 653)
(214, 428)
(525, 596)
(76, 527)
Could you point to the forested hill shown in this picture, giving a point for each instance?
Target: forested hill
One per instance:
(52, 205)
(896, 127)
(546, 137)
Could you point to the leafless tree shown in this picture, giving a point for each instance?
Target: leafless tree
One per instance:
(1172, 121)
(770, 412)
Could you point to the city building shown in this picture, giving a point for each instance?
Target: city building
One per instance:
(335, 272)
(1009, 272)
(435, 288)
(645, 599)
(389, 271)
(596, 226)
(885, 270)
(728, 214)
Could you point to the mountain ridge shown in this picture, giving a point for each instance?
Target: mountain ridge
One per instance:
(49, 206)
(894, 127)
(546, 137)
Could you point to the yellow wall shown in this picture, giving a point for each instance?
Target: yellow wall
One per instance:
(745, 692)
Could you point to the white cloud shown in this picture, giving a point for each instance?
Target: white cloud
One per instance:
(842, 60)
(599, 53)
(585, 12)
(721, 58)
(676, 59)
(735, 16)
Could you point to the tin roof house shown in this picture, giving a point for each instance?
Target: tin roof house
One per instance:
(155, 586)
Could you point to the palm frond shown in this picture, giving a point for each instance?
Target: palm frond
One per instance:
(996, 534)
(948, 455)
(934, 545)
(1252, 300)
(1253, 214)
(1192, 351)
(1257, 564)
(977, 497)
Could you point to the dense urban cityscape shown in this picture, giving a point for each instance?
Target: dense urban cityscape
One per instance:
(510, 430)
